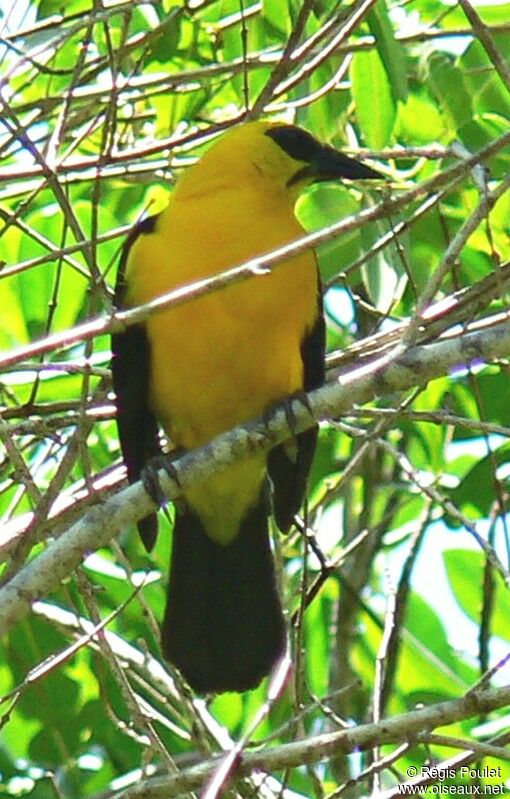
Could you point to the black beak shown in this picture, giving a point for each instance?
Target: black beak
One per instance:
(322, 162)
(329, 164)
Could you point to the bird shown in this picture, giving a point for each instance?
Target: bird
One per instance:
(205, 366)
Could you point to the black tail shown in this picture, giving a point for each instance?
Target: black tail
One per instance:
(223, 625)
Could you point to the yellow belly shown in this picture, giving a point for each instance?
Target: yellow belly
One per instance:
(224, 358)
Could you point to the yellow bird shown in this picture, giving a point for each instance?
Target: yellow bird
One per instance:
(206, 366)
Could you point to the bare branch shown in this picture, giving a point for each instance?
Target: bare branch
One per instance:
(399, 729)
(396, 371)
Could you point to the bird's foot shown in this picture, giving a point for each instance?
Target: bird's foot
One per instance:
(287, 405)
(151, 481)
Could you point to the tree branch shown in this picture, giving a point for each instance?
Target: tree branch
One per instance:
(255, 266)
(403, 728)
(398, 370)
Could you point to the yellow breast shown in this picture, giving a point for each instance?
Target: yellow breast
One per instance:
(224, 358)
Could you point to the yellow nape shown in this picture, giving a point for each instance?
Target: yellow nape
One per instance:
(244, 153)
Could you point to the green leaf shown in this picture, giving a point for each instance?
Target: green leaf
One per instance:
(465, 571)
(418, 120)
(491, 387)
(478, 133)
(46, 8)
(228, 709)
(55, 284)
(384, 277)
(375, 105)
(326, 115)
(477, 488)
(432, 11)
(446, 82)
(165, 45)
(390, 50)
(426, 445)
(427, 627)
(317, 639)
(322, 206)
(278, 14)
(14, 329)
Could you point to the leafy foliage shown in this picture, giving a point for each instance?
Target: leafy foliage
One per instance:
(103, 105)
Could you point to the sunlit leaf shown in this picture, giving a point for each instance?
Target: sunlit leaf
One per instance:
(375, 105)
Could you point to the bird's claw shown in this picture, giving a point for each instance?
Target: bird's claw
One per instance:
(151, 481)
(287, 405)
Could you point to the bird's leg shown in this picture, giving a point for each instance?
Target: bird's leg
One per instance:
(150, 477)
(287, 405)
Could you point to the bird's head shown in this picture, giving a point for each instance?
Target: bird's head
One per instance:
(287, 156)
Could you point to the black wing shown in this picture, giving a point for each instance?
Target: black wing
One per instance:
(289, 463)
(137, 426)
